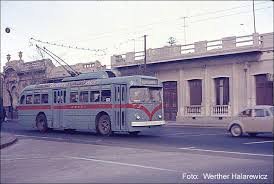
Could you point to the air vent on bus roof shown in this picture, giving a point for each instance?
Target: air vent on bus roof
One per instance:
(90, 75)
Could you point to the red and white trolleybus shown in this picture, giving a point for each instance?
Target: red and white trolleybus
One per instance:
(97, 101)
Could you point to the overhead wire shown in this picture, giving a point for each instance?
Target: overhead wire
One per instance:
(159, 22)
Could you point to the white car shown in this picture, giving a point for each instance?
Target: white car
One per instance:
(258, 119)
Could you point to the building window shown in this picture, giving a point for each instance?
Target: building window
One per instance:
(264, 90)
(195, 91)
(222, 90)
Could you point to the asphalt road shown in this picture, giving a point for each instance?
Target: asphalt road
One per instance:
(164, 155)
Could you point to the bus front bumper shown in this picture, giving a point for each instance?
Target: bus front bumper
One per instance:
(147, 123)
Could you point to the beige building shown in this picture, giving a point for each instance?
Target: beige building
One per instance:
(213, 79)
(18, 74)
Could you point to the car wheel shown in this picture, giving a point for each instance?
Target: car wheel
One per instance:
(252, 134)
(41, 123)
(104, 125)
(236, 130)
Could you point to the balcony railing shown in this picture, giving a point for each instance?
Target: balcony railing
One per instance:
(223, 45)
(193, 110)
(221, 110)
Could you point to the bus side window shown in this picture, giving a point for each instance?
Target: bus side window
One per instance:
(73, 97)
(106, 95)
(29, 99)
(65, 94)
(45, 98)
(22, 99)
(94, 96)
(55, 96)
(83, 96)
(36, 99)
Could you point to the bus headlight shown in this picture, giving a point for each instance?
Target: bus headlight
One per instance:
(160, 116)
(137, 116)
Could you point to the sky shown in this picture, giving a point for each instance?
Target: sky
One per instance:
(117, 27)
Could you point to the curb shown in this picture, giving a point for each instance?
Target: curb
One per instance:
(8, 143)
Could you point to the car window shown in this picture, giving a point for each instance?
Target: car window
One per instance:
(258, 112)
(246, 113)
(272, 110)
(267, 113)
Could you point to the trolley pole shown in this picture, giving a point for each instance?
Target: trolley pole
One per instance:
(145, 54)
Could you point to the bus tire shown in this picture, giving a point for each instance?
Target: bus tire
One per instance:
(41, 123)
(104, 125)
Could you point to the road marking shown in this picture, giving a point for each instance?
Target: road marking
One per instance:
(259, 142)
(40, 137)
(215, 151)
(121, 163)
(63, 139)
(187, 148)
(30, 158)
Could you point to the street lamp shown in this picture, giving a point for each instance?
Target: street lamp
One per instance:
(8, 57)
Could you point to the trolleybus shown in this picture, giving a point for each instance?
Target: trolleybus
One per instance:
(97, 101)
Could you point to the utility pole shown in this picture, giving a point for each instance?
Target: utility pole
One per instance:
(145, 53)
(254, 23)
(184, 29)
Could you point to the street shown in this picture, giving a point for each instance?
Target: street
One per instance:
(164, 155)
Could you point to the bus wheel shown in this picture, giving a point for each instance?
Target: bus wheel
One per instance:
(134, 133)
(41, 123)
(104, 125)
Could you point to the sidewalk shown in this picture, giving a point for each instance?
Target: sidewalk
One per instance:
(6, 139)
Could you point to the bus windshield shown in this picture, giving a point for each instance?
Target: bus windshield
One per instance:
(145, 94)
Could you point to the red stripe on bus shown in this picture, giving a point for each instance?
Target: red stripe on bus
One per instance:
(87, 106)
(94, 106)
(34, 107)
(155, 110)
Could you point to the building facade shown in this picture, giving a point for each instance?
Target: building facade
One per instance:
(17, 74)
(208, 79)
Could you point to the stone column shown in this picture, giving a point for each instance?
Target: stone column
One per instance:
(235, 90)
(252, 90)
(181, 93)
(206, 93)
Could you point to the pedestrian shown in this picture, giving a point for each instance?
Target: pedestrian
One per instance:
(4, 115)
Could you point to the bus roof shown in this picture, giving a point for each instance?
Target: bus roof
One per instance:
(135, 80)
(103, 74)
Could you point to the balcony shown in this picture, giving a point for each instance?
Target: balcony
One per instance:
(221, 110)
(227, 45)
(194, 110)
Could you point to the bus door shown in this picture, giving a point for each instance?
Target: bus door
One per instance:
(120, 96)
(59, 98)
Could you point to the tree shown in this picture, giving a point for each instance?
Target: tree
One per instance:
(171, 41)
(11, 99)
